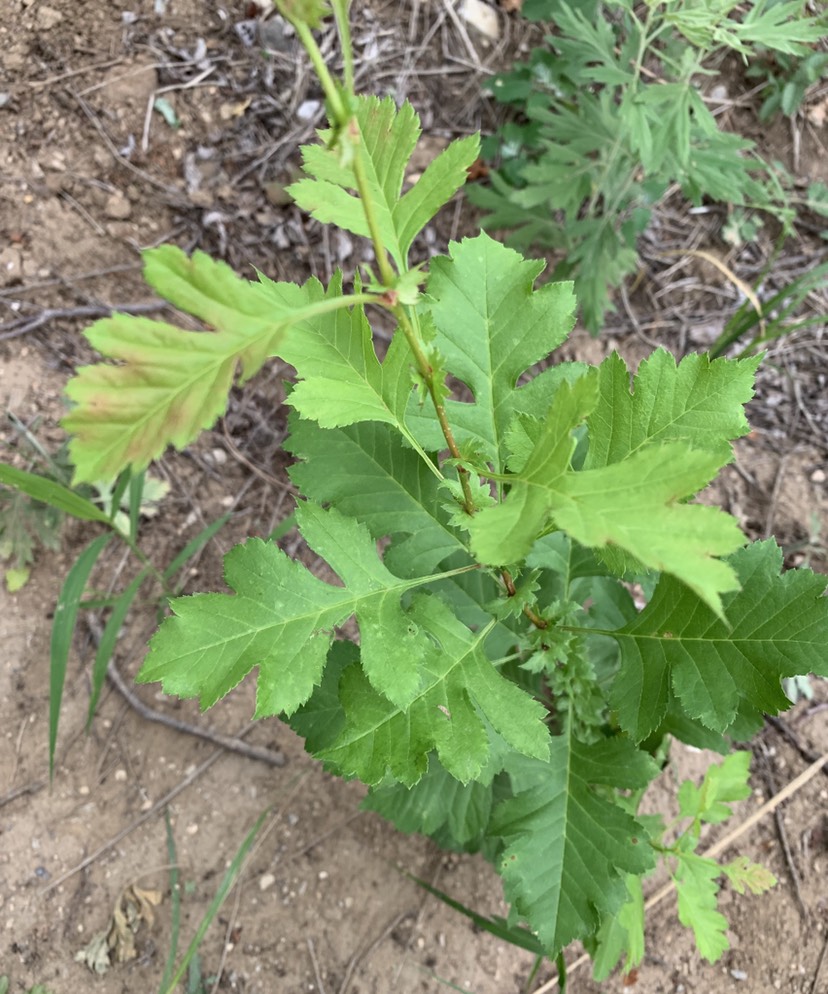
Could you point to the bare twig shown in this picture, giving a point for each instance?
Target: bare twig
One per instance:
(15, 792)
(793, 873)
(319, 983)
(25, 325)
(228, 742)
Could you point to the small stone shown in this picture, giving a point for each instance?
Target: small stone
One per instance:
(219, 456)
(118, 207)
(482, 17)
(266, 881)
(323, 874)
(308, 110)
(738, 974)
(48, 18)
(120, 775)
(83, 791)
(818, 476)
(192, 829)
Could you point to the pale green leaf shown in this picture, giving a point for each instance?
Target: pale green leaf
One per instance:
(633, 505)
(569, 846)
(723, 783)
(459, 684)
(621, 934)
(170, 384)
(696, 887)
(282, 619)
(745, 876)
(775, 627)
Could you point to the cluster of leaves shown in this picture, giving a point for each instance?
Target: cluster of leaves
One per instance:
(504, 693)
(610, 115)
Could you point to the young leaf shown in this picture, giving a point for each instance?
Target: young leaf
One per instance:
(282, 620)
(621, 934)
(170, 383)
(698, 401)
(340, 380)
(459, 684)
(746, 876)
(632, 505)
(724, 782)
(491, 327)
(696, 887)
(569, 846)
(387, 139)
(776, 626)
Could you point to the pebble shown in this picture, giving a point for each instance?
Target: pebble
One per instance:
(738, 974)
(266, 881)
(482, 17)
(118, 207)
(818, 476)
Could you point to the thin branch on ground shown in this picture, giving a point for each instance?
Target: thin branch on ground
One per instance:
(15, 792)
(25, 325)
(793, 873)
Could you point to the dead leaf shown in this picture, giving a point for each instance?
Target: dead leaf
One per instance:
(134, 907)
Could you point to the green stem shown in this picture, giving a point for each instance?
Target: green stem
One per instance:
(426, 371)
(343, 26)
(334, 98)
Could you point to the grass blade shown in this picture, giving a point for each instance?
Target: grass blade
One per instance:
(175, 903)
(51, 493)
(118, 492)
(227, 882)
(136, 495)
(192, 547)
(108, 639)
(63, 627)
(516, 936)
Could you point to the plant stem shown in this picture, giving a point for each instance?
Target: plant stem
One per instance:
(343, 26)
(424, 368)
(335, 105)
(533, 616)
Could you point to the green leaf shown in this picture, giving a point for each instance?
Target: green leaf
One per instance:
(621, 934)
(366, 472)
(699, 401)
(696, 887)
(632, 505)
(388, 136)
(63, 628)
(51, 493)
(459, 684)
(776, 626)
(505, 533)
(569, 846)
(491, 326)
(340, 380)
(723, 783)
(170, 384)
(282, 619)
(438, 805)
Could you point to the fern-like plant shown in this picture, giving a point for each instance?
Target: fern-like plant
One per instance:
(610, 115)
(505, 691)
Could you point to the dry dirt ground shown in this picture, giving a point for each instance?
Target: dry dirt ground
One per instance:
(88, 174)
